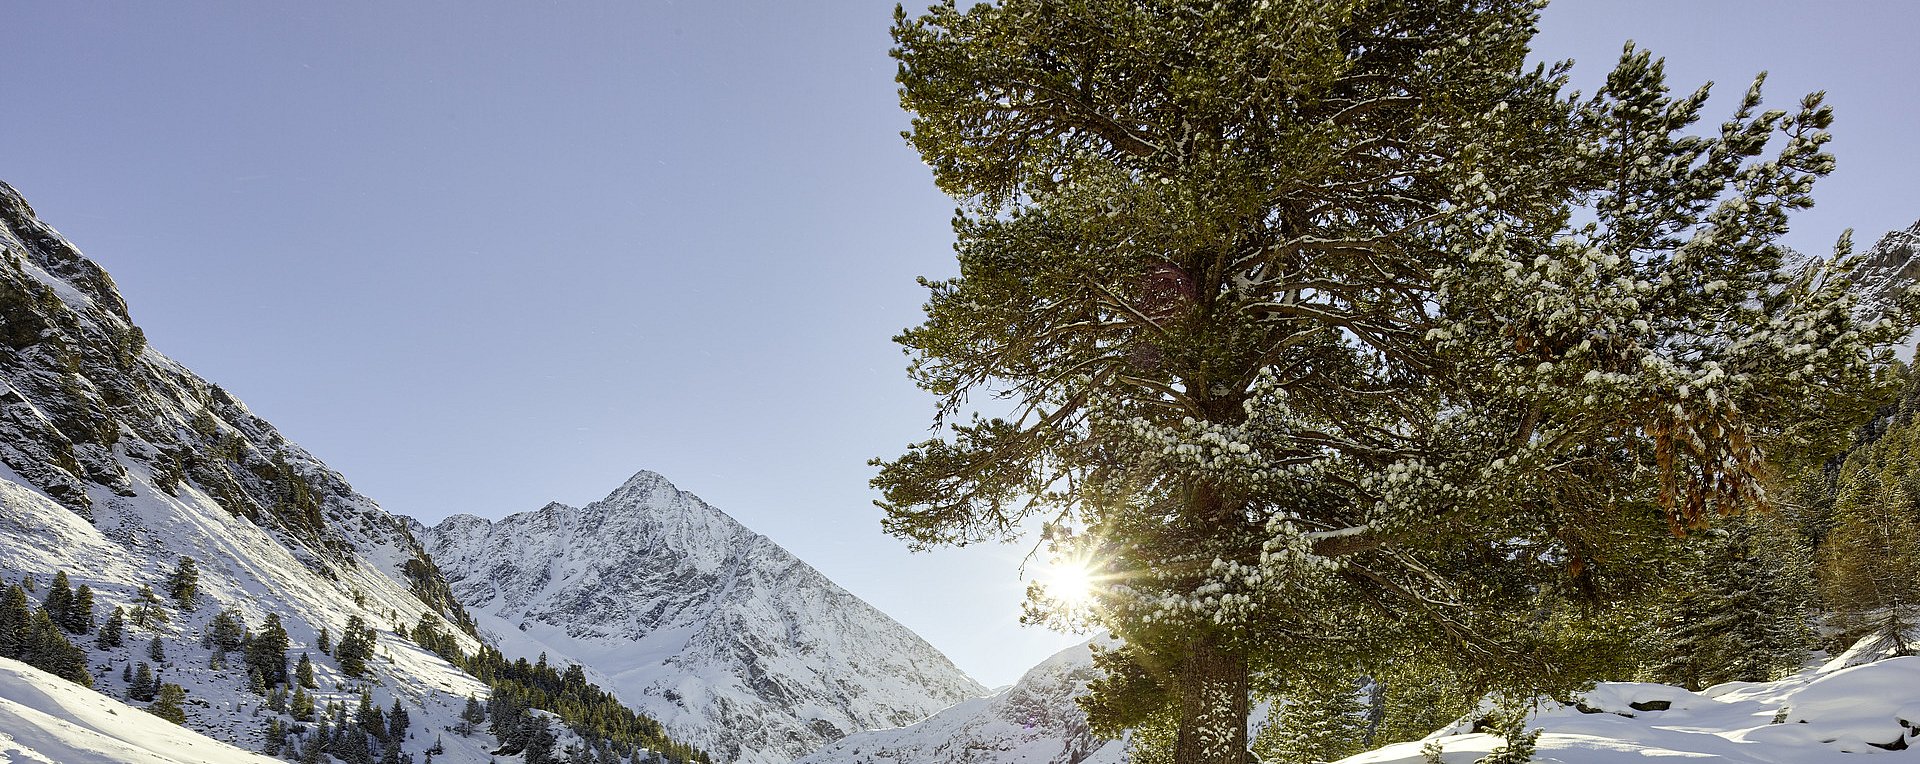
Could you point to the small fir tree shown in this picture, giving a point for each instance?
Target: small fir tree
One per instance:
(303, 673)
(80, 614)
(167, 703)
(156, 650)
(183, 584)
(267, 652)
(142, 687)
(113, 632)
(59, 598)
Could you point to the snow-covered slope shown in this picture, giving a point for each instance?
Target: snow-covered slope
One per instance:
(726, 638)
(44, 718)
(1829, 713)
(115, 462)
(1035, 721)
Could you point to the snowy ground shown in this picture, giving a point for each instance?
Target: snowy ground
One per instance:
(44, 718)
(1826, 713)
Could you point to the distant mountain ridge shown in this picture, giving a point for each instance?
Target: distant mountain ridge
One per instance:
(1034, 721)
(718, 632)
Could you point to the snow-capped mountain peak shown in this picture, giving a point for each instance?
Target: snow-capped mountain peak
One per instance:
(718, 632)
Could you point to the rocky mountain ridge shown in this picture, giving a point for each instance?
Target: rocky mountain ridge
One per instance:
(718, 632)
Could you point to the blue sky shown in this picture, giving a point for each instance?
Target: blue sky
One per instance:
(482, 256)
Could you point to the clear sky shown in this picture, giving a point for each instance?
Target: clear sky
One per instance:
(482, 256)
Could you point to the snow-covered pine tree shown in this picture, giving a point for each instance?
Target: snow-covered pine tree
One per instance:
(1336, 326)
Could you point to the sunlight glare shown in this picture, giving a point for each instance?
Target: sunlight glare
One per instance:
(1070, 583)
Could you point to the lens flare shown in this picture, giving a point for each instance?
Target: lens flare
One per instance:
(1069, 582)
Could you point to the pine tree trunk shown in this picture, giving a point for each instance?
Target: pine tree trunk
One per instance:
(1212, 705)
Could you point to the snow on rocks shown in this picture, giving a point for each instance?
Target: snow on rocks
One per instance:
(1815, 716)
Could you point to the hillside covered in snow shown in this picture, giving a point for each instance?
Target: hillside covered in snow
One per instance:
(116, 463)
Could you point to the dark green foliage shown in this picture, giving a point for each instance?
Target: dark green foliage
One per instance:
(41, 643)
(537, 740)
(79, 618)
(367, 716)
(1337, 329)
(142, 688)
(227, 631)
(59, 598)
(301, 705)
(428, 634)
(1868, 561)
(166, 703)
(183, 584)
(397, 722)
(1321, 719)
(324, 641)
(303, 673)
(589, 711)
(113, 632)
(14, 617)
(156, 650)
(267, 652)
(355, 648)
(276, 737)
(1740, 605)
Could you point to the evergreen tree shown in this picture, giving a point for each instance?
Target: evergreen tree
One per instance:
(147, 611)
(301, 706)
(1305, 311)
(303, 673)
(397, 721)
(1739, 606)
(166, 704)
(267, 652)
(15, 617)
(80, 614)
(1320, 719)
(537, 736)
(368, 717)
(183, 584)
(1869, 561)
(256, 683)
(142, 687)
(355, 648)
(276, 737)
(156, 651)
(324, 641)
(113, 632)
(59, 600)
(226, 630)
(45, 646)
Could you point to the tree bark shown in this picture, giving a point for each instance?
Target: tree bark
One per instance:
(1212, 704)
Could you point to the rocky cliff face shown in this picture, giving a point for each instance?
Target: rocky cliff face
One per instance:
(725, 637)
(1889, 266)
(1035, 721)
